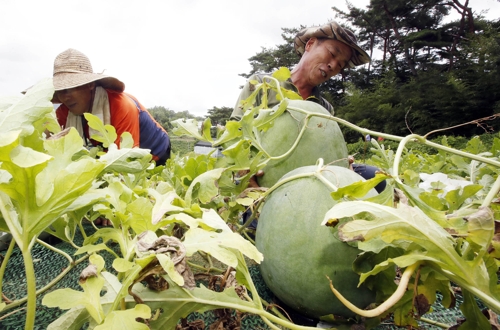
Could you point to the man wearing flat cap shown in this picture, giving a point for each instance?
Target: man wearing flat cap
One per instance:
(324, 52)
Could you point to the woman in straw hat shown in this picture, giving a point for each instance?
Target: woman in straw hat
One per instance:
(80, 90)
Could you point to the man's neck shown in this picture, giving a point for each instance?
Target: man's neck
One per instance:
(303, 89)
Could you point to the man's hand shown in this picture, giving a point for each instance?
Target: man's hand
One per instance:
(252, 182)
(101, 221)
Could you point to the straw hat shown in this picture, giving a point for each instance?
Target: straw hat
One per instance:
(72, 69)
(332, 30)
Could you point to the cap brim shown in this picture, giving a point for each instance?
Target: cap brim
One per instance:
(334, 31)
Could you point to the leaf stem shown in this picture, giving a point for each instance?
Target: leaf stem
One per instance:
(436, 323)
(208, 270)
(30, 288)
(492, 193)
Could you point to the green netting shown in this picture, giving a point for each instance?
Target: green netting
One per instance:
(49, 264)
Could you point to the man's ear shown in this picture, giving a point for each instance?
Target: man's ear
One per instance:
(310, 42)
(92, 85)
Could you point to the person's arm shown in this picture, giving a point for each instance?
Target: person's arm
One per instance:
(124, 116)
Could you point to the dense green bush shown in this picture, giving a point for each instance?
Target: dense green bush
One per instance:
(182, 145)
(362, 150)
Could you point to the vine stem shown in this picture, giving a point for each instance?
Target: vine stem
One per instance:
(399, 154)
(391, 301)
(436, 323)
(276, 81)
(56, 250)
(406, 139)
(11, 313)
(5, 260)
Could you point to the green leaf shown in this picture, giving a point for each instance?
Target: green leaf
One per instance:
(177, 302)
(23, 111)
(232, 131)
(481, 227)
(91, 248)
(90, 297)
(413, 197)
(126, 141)
(26, 157)
(207, 124)
(219, 244)
(265, 118)
(422, 239)
(359, 189)
(168, 265)
(475, 319)
(188, 127)
(126, 320)
(457, 197)
(282, 74)
(78, 316)
(126, 160)
(121, 265)
(164, 204)
(107, 234)
(140, 212)
(107, 133)
(204, 187)
(62, 150)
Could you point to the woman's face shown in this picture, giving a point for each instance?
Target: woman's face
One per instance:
(77, 99)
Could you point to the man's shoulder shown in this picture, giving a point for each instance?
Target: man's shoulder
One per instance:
(260, 76)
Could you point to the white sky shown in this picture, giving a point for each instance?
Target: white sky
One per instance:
(180, 54)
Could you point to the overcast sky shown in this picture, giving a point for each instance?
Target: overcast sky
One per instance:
(180, 54)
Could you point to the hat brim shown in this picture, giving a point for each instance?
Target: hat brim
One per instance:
(63, 81)
(334, 31)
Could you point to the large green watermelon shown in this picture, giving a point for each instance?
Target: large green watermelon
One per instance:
(322, 139)
(299, 253)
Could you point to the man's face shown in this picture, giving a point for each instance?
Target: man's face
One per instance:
(77, 99)
(324, 58)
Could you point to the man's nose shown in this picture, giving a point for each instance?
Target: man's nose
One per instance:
(333, 65)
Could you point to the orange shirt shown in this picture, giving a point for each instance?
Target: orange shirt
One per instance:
(125, 115)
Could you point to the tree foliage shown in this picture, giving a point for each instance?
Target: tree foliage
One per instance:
(165, 116)
(219, 116)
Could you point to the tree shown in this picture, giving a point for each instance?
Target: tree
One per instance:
(162, 115)
(271, 59)
(165, 116)
(219, 116)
